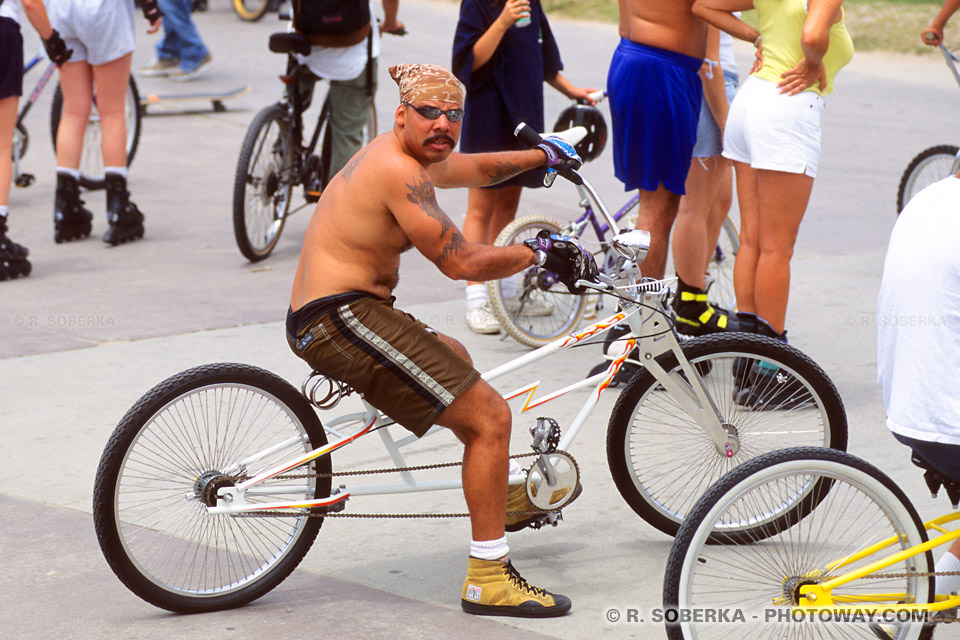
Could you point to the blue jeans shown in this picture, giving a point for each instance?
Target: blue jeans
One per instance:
(180, 36)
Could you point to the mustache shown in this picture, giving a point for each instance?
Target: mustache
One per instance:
(439, 138)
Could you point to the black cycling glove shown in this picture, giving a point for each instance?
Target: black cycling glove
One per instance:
(57, 49)
(564, 257)
(151, 11)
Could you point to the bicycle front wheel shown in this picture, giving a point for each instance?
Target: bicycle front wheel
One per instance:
(263, 183)
(768, 395)
(91, 159)
(251, 10)
(931, 165)
(533, 307)
(196, 432)
(720, 269)
(856, 506)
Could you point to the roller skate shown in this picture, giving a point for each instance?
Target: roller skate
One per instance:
(70, 219)
(13, 256)
(126, 221)
(695, 316)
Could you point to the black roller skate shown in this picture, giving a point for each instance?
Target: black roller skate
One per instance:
(126, 221)
(13, 256)
(70, 219)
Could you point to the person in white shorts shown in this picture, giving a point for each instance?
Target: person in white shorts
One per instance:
(101, 34)
(773, 137)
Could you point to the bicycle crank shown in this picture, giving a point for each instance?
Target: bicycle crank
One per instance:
(552, 480)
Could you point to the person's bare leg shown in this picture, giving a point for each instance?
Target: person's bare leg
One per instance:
(745, 267)
(111, 80)
(488, 212)
(76, 83)
(658, 209)
(689, 243)
(8, 122)
(720, 207)
(504, 211)
(783, 199)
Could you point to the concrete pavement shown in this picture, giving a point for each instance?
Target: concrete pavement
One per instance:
(94, 328)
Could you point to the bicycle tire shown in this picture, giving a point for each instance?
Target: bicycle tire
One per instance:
(720, 269)
(191, 434)
(263, 184)
(567, 308)
(91, 160)
(326, 146)
(860, 505)
(251, 10)
(21, 142)
(929, 166)
(662, 461)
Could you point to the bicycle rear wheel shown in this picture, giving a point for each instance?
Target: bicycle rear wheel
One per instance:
(198, 431)
(662, 461)
(856, 506)
(91, 161)
(262, 186)
(931, 165)
(532, 306)
(720, 269)
(251, 10)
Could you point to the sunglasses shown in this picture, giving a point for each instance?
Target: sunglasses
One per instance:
(432, 113)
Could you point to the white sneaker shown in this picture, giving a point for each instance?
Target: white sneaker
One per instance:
(480, 320)
(532, 307)
(590, 309)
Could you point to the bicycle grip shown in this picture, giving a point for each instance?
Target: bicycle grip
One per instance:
(529, 136)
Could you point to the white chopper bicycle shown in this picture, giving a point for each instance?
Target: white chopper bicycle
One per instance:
(214, 485)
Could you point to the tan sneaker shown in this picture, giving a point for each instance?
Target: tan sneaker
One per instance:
(160, 67)
(519, 506)
(495, 588)
(179, 75)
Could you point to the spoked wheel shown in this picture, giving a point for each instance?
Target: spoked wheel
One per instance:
(720, 269)
(852, 506)
(196, 432)
(768, 395)
(533, 307)
(251, 10)
(931, 165)
(263, 183)
(91, 161)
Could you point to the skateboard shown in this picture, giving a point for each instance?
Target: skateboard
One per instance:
(216, 99)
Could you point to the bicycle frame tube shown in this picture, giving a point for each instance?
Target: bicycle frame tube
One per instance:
(652, 336)
(41, 83)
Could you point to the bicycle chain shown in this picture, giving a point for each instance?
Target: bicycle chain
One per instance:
(320, 514)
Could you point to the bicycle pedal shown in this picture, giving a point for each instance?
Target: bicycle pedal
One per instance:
(24, 180)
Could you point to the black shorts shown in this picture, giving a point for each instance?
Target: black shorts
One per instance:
(945, 458)
(11, 59)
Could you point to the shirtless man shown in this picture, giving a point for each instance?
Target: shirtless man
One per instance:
(655, 93)
(342, 320)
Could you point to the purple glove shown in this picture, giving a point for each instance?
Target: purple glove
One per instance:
(564, 257)
(559, 153)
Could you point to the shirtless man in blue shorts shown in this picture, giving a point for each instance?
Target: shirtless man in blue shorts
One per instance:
(655, 95)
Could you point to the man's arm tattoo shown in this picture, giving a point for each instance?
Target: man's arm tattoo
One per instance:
(423, 195)
(452, 249)
(503, 171)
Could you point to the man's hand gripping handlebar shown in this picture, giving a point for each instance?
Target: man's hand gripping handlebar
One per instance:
(562, 158)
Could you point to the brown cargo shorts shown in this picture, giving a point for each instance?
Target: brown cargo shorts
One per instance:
(397, 362)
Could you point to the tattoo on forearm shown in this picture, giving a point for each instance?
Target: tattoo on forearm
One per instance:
(503, 171)
(453, 248)
(423, 195)
(348, 169)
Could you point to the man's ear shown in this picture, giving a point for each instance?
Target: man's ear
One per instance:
(400, 116)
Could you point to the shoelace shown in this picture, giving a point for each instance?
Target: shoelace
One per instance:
(520, 583)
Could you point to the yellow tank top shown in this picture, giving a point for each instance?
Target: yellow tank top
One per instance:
(781, 25)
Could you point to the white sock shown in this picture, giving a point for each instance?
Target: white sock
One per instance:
(74, 173)
(489, 549)
(120, 171)
(508, 287)
(3, 210)
(948, 584)
(476, 295)
(515, 467)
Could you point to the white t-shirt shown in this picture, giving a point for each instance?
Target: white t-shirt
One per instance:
(10, 9)
(918, 318)
(342, 63)
(727, 61)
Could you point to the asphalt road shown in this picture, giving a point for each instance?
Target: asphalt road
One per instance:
(93, 328)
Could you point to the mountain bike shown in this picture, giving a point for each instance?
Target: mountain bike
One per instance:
(933, 164)
(274, 159)
(215, 483)
(836, 545)
(91, 162)
(511, 297)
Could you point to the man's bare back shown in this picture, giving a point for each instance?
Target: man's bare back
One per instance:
(665, 24)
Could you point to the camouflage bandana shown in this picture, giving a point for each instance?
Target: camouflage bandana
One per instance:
(427, 82)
